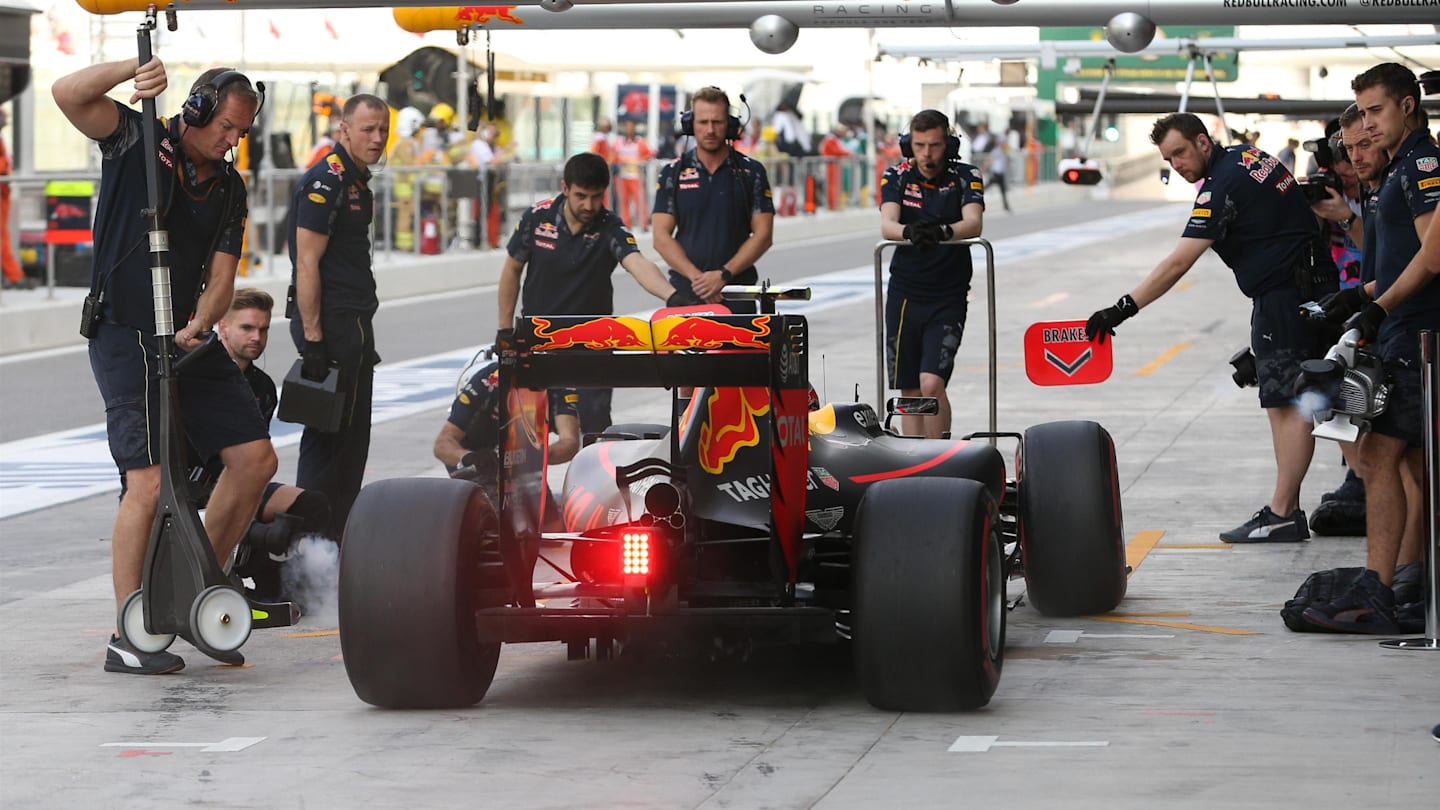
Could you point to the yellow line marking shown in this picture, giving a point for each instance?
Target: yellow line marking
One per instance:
(1169, 355)
(312, 634)
(1139, 546)
(1172, 614)
(1226, 631)
(1184, 285)
(1198, 545)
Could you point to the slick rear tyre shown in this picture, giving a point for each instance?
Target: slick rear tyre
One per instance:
(1071, 530)
(410, 583)
(929, 595)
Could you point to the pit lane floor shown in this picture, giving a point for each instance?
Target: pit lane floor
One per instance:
(1192, 694)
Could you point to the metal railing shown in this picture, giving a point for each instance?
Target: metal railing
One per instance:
(434, 209)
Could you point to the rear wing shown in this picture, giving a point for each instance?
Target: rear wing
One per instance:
(769, 351)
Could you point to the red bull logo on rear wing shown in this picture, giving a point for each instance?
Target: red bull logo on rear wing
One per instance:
(669, 334)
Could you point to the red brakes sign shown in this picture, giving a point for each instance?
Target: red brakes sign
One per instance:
(1057, 353)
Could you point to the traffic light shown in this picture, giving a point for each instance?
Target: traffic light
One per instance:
(1079, 172)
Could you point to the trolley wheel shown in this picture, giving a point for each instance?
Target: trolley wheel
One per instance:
(132, 627)
(220, 618)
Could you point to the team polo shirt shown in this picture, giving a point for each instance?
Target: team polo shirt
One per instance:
(476, 411)
(712, 211)
(194, 211)
(334, 198)
(1259, 220)
(938, 273)
(568, 273)
(1411, 188)
(264, 389)
(1369, 218)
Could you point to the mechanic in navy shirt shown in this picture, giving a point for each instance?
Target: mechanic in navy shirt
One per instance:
(1251, 211)
(713, 216)
(930, 198)
(333, 299)
(567, 247)
(469, 441)
(204, 206)
(1405, 302)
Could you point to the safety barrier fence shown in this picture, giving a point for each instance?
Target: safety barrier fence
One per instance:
(434, 209)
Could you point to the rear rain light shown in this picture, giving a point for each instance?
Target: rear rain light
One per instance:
(637, 553)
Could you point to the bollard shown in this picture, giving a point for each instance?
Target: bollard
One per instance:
(1430, 386)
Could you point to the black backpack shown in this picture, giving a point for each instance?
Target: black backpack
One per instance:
(1321, 586)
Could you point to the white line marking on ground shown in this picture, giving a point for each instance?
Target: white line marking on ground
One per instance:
(225, 746)
(982, 744)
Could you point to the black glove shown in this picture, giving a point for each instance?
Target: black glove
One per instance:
(315, 361)
(944, 232)
(683, 298)
(466, 469)
(1339, 306)
(923, 235)
(1368, 321)
(503, 339)
(1104, 321)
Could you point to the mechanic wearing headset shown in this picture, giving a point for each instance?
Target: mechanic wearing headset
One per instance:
(567, 246)
(930, 198)
(1405, 302)
(1257, 219)
(713, 214)
(332, 299)
(204, 205)
(469, 441)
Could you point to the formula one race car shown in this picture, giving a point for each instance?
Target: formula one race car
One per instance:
(752, 518)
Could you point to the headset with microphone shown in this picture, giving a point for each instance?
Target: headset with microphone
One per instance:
(732, 122)
(952, 141)
(204, 99)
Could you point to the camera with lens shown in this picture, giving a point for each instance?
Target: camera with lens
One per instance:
(1245, 374)
(1324, 177)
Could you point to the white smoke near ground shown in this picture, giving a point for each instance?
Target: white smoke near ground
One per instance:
(1312, 404)
(311, 578)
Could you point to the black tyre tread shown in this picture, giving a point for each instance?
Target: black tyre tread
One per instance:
(409, 587)
(1071, 521)
(919, 619)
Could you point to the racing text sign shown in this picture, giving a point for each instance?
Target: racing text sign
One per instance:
(1057, 353)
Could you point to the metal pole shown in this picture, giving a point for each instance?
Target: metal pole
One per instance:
(1430, 385)
(1189, 77)
(1095, 115)
(1219, 103)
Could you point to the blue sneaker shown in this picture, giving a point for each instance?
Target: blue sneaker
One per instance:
(1267, 527)
(1352, 489)
(1367, 607)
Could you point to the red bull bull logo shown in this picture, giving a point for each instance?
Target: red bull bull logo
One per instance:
(595, 333)
(480, 15)
(733, 424)
(704, 333)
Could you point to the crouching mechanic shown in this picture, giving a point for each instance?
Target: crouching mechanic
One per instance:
(469, 441)
(285, 511)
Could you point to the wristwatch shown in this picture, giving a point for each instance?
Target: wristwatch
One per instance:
(1347, 222)
(726, 276)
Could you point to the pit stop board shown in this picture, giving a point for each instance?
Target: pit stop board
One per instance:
(1057, 353)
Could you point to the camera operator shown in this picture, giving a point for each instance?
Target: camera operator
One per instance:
(1388, 97)
(1337, 198)
(1250, 212)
